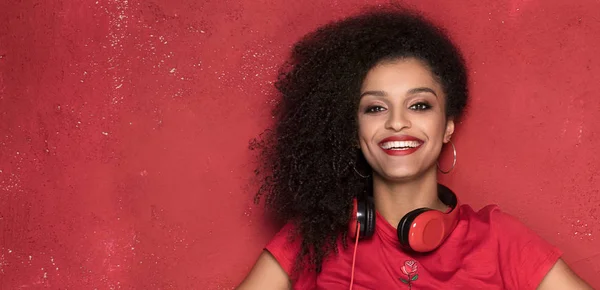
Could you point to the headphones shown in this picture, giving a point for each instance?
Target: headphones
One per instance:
(421, 230)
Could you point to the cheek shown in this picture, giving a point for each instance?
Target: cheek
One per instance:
(366, 129)
(435, 127)
(362, 137)
(361, 127)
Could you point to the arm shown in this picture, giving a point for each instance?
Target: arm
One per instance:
(266, 274)
(562, 277)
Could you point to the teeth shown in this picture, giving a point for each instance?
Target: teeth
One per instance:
(400, 144)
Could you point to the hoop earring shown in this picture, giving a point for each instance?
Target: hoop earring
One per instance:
(359, 174)
(453, 162)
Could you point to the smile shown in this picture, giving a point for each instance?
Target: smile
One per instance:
(400, 145)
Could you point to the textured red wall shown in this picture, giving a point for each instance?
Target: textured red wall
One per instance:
(124, 128)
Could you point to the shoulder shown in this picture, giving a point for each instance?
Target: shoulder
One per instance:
(265, 274)
(497, 221)
(274, 268)
(489, 213)
(524, 257)
(509, 232)
(285, 246)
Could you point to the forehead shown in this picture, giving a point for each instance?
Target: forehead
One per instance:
(400, 75)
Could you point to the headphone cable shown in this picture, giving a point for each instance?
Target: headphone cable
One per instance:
(354, 255)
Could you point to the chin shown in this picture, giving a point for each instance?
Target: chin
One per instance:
(405, 173)
(401, 174)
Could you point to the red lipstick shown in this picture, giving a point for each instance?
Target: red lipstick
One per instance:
(400, 145)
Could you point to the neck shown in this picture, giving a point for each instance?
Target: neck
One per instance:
(395, 199)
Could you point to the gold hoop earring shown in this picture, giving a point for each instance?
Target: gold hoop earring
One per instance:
(453, 161)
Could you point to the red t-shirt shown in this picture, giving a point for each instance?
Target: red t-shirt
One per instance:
(488, 249)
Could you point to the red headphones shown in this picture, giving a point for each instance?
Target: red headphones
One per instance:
(421, 230)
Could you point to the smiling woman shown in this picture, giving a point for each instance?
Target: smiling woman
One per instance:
(368, 103)
(401, 101)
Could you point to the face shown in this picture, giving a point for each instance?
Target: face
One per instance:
(401, 119)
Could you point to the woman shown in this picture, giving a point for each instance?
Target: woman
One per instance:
(367, 105)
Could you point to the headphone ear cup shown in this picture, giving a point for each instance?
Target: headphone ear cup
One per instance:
(363, 213)
(353, 220)
(369, 219)
(403, 229)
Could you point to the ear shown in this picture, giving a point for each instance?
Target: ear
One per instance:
(449, 130)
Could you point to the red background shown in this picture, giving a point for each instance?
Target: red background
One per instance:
(124, 130)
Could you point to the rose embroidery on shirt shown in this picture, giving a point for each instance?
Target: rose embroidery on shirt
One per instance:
(410, 270)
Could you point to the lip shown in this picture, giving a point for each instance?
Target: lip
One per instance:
(401, 138)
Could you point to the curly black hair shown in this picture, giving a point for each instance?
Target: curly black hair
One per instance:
(308, 159)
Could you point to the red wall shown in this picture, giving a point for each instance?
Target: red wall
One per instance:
(124, 128)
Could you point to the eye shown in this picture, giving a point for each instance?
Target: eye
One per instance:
(420, 106)
(374, 109)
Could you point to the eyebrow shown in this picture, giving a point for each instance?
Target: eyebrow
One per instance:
(374, 93)
(410, 92)
(421, 90)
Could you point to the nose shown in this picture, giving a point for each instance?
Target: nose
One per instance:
(397, 120)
